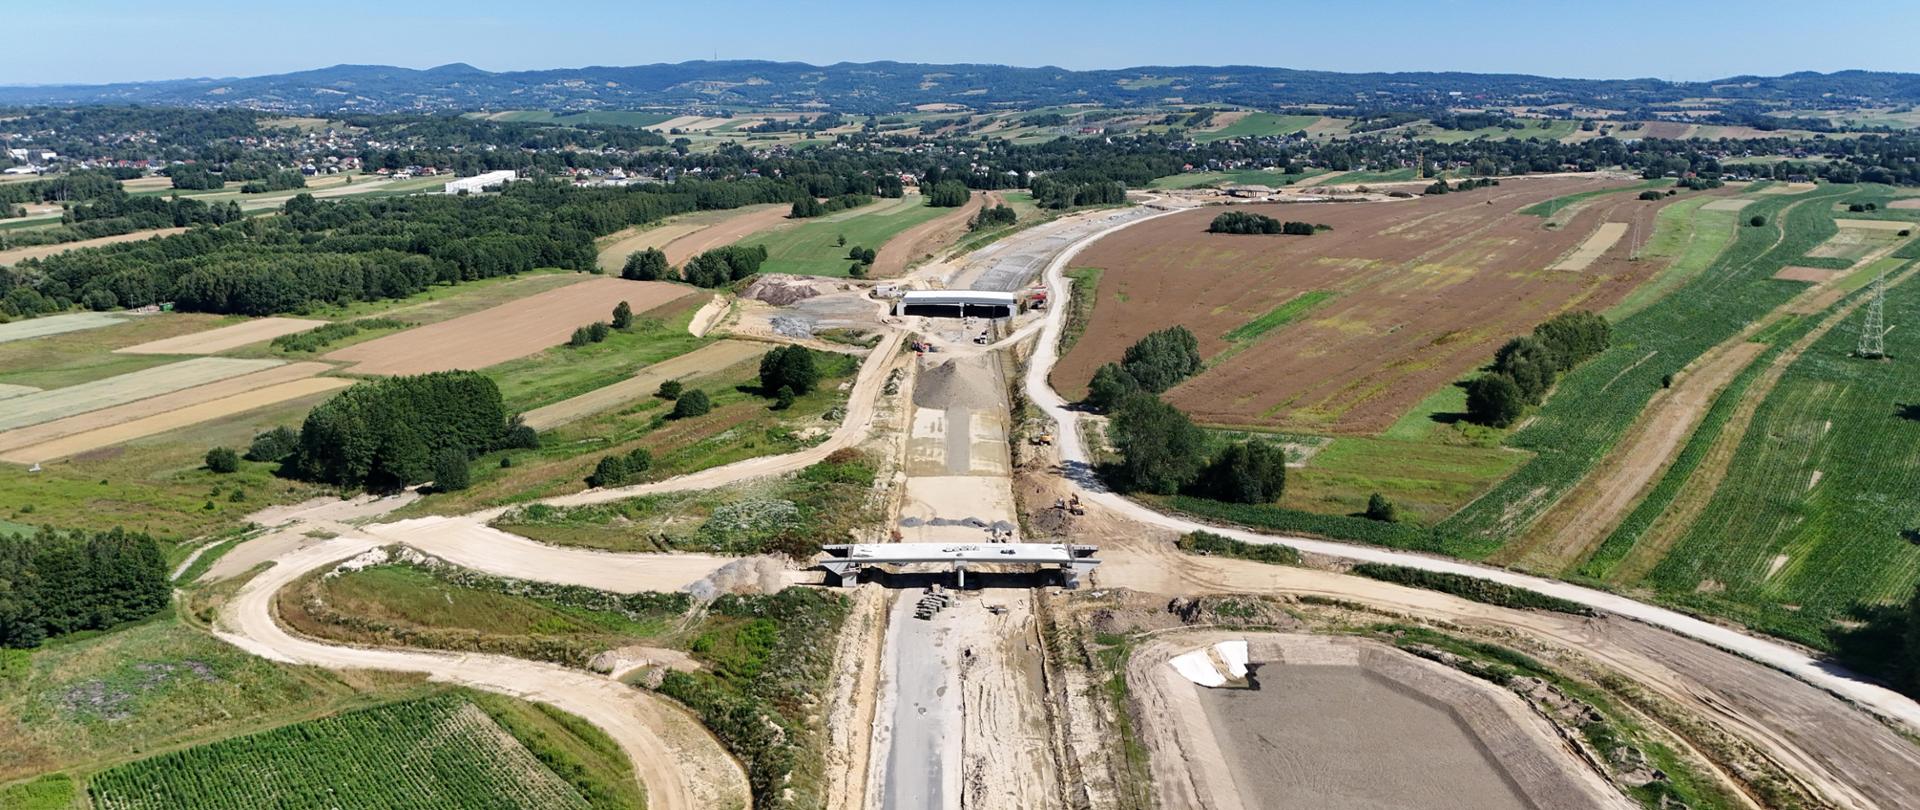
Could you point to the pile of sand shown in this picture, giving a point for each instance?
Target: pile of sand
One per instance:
(957, 383)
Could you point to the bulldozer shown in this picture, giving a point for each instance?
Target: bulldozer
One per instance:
(1041, 439)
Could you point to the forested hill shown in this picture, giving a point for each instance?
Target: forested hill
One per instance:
(874, 87)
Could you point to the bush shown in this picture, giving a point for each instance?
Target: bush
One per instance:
(450, 470)
(1494, 400)
(617, 470)
(1251, 471)
(1757, 220)
(519, 436)
(622, 316)
(692, 403)
(646, 265)
(223, 460)
(725, 265)
(1381, 509)
(1216, 545)
(994, 217)
(783, 399)
(581, 337)
(669, 390)
(273, 445)
(1652, 195)
(1161, 451)
(788, 367)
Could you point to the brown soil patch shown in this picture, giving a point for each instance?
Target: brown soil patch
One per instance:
(1425, 290)
(745, 223)
(18, 255)
(613, 257)
(153, 406)
(1905, 202)
(504, 332)
(214, 341)
(1813, 274)
(927, 238)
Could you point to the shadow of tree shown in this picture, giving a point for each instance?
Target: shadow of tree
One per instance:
(1877, 645)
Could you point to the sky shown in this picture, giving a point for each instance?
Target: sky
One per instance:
(97, 41)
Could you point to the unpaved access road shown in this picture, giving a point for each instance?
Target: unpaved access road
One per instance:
(927, 238)
(679, 763)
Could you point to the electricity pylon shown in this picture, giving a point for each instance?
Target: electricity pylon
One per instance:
(1873, 334)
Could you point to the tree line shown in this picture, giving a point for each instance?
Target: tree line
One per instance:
(1246, 222)
(1525, 367)
(57, 582)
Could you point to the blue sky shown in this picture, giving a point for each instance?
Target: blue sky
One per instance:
(120, 40)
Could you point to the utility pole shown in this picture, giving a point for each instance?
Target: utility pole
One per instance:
(1873, 333)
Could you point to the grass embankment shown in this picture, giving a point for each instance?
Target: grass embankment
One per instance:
(819, 504)
(1689, 239)
(813, 247)
(761, 660)
(1083, 293)
(447, 751)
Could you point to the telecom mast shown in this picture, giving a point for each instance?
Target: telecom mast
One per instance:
(1873, 334)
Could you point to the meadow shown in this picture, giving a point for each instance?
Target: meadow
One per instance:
(812, 247)
(1259, 124)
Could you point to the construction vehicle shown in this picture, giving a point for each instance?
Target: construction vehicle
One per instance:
(1041, 439)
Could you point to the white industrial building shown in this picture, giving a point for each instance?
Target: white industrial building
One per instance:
(480, 182)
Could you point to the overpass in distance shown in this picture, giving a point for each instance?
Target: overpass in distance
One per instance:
(846, 561)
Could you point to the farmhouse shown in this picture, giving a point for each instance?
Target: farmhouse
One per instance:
(480, 182)
(956, 303)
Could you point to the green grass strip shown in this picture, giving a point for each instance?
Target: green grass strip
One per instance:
(1279, 316)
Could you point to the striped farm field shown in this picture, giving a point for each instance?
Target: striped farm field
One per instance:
(194, 397)
(215, 341)
(1813, 507)
(55, 325)
(430, 754)
(46, 406)
(172, 420)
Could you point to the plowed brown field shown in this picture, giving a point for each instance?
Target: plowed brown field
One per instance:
(1423, 291)
(928, 237)
(504, 332)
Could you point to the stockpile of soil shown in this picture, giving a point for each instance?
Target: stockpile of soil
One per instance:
(958, 383)
(779, 291)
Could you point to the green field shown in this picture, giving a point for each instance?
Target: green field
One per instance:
(1258, 125)
(1554, 130)
(1279, 316)
(1233, 177)
(812, 247)
(564, 371)
(1810, 520)
(1427, 481)
(442, 752)
(1593, 404)
(1389, 176)
(1686, 237)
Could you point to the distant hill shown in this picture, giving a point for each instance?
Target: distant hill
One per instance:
(878, 87)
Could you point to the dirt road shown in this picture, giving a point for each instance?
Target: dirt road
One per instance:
(681, 766)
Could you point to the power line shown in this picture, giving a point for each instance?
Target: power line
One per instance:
(1873, 334)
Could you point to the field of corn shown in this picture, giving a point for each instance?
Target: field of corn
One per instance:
(1595, 403)
(441, 752)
